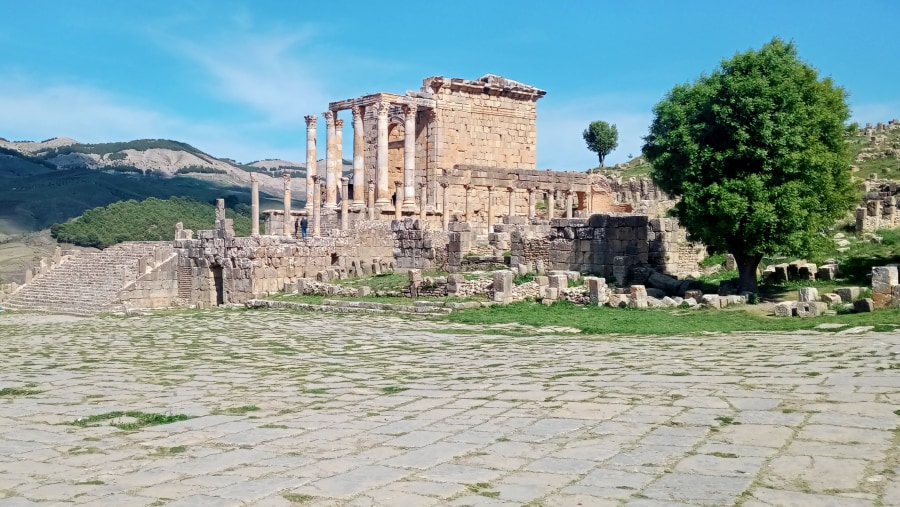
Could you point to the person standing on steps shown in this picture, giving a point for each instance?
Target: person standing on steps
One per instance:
(303, 224)
(296, 227)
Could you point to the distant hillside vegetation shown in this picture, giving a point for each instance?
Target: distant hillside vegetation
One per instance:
(148, 220)
(105, 148)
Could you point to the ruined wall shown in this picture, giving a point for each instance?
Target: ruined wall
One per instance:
(882, 198)
(215, 268)
(157, 288)
(490, 121)
(417, 246)
(608, 245)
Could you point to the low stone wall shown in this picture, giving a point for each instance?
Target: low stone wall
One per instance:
(880, 210)
(416, 246)
(215, 269)
(155, 288)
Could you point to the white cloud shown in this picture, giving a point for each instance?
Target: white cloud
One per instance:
(34, 111)
(263, 72)
(560, 125)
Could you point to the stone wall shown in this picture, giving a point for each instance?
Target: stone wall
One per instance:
(608, 245)
(490, 121)
(156, 287)
(882, 198)
(417, 246)
(215, 269)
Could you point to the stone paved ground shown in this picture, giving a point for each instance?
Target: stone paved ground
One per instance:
(359, 410)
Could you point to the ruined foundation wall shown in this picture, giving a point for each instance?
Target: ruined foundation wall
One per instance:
(880, 209)
(238, 269)
(417, 246)
(608, 245)
(156, 289)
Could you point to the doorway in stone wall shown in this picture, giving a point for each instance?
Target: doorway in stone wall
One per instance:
(219, 285)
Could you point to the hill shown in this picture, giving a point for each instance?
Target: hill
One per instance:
(57, 179)
(148, 220)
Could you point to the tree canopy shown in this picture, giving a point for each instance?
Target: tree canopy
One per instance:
(602, 138)
(755, 153)
(148, 220)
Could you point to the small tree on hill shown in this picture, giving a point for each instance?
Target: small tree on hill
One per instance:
(755, 153)
(602, 138)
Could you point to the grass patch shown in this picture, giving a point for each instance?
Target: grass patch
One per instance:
(130, 420)
(723, 454)
(169, 451)
(92, 482)
(297, 497)
(393, 389)
(236, 410)
(603, 320)
(9, 392)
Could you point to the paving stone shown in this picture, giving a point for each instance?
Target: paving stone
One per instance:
(693, 488)
(565, 432)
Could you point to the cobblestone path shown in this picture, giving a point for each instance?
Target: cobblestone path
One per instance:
(324, 409)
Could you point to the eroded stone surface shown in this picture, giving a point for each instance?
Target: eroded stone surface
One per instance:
(348, 410)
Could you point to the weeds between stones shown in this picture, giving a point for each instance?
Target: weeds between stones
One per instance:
(139, 419)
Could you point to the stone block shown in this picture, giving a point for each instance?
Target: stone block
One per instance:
(831, 298)
(882, 300)
(560, 281)
(711, 301)
(883, 278)
(848, 294)
(668, 302)
(597, 290)
(364, 291)
(542, 281)
(785, 309)
(693, 294)
(808, 309)
(863, 305)
(618, 300)
(551, 293)
(806, 294)
(827, 272)
(503, 284)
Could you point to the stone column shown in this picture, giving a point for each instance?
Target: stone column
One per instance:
(339, 154)
(398, 210)
(551, 203)
(490, 209)
(345, 203)
(512, 200)
(568, 204)
(531, 202)
(286, 223)
(381, 154)
(330, 183)
(317, 207)
(445, 209)
(409, 157)
(423, 194)
(359, 148)
(254, 205)
(311, 170)
(370, 186)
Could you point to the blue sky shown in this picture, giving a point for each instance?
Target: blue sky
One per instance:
(236, 78)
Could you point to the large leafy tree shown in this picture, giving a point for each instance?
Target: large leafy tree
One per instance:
(602, 138)
(755, 153)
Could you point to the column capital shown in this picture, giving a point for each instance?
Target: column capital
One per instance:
(445, 184)
(530, 190)
(286, 179)
(329, 118)
(409, 112)
(371, 184)
(311, 120)
(316, 178)
(253, 178)
(398, 183)
(345, 180)
(510, 189)
(338, 124)
(382, 109)
(423, 184)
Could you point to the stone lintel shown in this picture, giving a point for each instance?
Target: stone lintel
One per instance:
(390, 98)
(488, 84)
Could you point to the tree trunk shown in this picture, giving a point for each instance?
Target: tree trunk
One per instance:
(747, 266)
(600, 156)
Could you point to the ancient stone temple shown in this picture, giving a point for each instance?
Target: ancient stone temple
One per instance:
(443, 179)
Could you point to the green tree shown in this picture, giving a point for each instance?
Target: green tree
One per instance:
(755, 153)
(602, 138)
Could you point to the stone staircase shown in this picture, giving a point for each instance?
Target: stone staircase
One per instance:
(87, 283)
